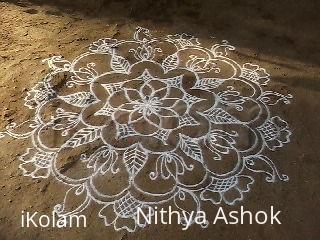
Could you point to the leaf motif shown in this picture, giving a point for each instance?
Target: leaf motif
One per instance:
(218, 115)
(120, 64)
(134, 159)
(171, 62)
(79, 99)
(191, 147)
(83, 136)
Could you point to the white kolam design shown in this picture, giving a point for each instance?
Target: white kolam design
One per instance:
(147, 121)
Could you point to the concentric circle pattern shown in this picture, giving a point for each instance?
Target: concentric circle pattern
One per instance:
(148, 121)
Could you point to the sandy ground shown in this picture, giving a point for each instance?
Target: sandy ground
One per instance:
(283, 37)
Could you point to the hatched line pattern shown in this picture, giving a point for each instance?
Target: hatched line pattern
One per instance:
(249, 74)
(269, 130)
(222, 185)
(126, 206)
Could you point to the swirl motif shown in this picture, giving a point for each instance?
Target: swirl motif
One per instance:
(133, 114)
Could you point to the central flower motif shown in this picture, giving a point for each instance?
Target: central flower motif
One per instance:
(151, 101)
(147, 105)
(144, 106)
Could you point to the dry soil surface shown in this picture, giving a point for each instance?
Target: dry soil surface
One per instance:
(281, 36)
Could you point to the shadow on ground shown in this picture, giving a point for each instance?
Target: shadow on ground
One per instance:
(280, 36)
(287, 29)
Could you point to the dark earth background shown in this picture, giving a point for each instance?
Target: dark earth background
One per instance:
(280, 36)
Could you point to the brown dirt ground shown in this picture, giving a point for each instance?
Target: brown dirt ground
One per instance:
(281, 36)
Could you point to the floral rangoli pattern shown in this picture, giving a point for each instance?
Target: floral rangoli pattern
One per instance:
(129, 115)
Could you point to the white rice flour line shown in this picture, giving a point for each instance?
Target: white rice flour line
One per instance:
(201, 108)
